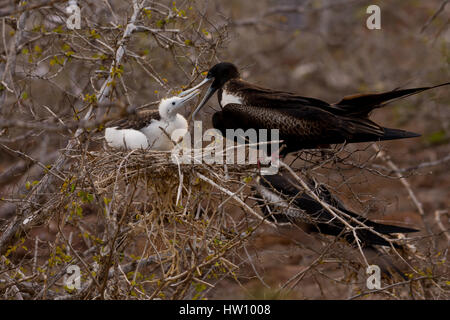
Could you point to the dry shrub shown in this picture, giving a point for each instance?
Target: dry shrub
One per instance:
(139, 225)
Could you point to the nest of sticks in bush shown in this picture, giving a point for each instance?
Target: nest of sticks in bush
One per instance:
(139, 225)
(143, 225)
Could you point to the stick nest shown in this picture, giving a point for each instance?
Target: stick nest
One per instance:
(141, 226)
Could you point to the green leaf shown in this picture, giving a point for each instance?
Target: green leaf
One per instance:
(436, 138)
(37, 49)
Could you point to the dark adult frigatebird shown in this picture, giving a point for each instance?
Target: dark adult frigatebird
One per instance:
(303, 122)
(284, 201)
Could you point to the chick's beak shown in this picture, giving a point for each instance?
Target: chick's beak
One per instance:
(190, 96)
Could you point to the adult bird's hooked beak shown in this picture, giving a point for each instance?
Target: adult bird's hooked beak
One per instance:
(208, 95)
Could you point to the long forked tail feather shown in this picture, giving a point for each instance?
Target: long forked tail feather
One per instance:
(368, 237)
(382, 135)
(363, 104)
(388, 229)
(393, 134)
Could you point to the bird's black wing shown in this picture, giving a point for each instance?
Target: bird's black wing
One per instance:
(328, 197)
(359, 105)
(136, 121)
(300, 128)
(362, 104)
(304, 128)
(321, 219)
(269, 98)
(293, 193)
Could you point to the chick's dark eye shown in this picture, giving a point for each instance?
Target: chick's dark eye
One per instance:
(173, 103)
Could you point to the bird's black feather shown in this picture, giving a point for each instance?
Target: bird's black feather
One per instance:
(321, 219)
(304, 128)
(304, 122)
(137, 120)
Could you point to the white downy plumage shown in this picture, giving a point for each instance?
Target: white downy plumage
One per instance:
(125, 138)
(158, 134)
(163, 134)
